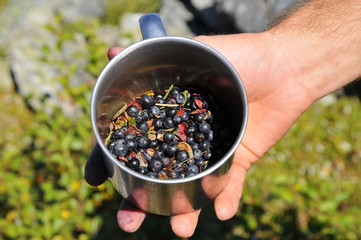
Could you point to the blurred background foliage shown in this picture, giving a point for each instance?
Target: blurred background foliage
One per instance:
(306, 187)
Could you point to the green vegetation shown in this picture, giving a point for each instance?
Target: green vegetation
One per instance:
(116, 8)
(306, 187)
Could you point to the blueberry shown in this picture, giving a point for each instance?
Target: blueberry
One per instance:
(128, 136)
(194, 146)
(190, 140)
(168, 137)
(155, 165)
(159, 154)
(199, 117)
(163, 147)
(142, 170)
(131, 144)
(177, 120)
(205, 105)
(175, 91)
(146, 101)
(158, 123)
(132, 111)
(172, 150)
(153, 143)
(142, 126)
(197, 154)
(207, 155)
(209, 136)
(153, 111)
(190, 131)
(199, 137)
(133, 163)
(160, 101)
(152, 175)
(199, 162)
(185, 116)
(179, 98)
(182, 155)
(118, 134)
(120, 149)
(168, 123)
(143, 116)
(187, 104)
(142, 142)
(171, 111)
(158, 95)
(205, 145)
(111, 146)
(192, 169)
(205, 127)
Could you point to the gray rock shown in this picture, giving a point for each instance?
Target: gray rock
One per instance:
(36, 72)
(194, 17)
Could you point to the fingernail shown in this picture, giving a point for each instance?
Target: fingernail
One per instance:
(130, 221)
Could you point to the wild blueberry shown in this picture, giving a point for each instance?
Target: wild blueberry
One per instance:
(168, 123)
(131, 144)
(168, 137)
(153, 143)
(142, 126)
(199, 117)
(133, 163)
(146, 101)
(128, 136)
(205, 145)
(132, 111)
(158, 123)
(171, 111)
(120, 149)
(142, 170)
(177, 120)
(182, 155)
(142, 141)
(155, 165)
(205, 127)
(153, 111)
(192, 169)
(118, 134)
(172, 150)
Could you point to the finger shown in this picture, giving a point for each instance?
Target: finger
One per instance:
(130, 217)
(227, 202)
(95, 172)
(112, 52)
(184, 225)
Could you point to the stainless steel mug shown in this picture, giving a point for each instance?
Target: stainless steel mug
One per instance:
(154, 64)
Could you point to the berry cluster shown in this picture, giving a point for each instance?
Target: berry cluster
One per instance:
(164, 134)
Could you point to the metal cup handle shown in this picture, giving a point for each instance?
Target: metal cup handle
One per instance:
(151, 26)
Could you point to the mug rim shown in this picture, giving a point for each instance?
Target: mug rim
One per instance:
(128, 50)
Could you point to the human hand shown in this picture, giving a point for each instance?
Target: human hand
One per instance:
(275, 102)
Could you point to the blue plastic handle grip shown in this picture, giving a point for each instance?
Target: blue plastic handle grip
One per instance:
(151, 26)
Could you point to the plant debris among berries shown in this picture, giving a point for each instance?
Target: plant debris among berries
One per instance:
(164, 134)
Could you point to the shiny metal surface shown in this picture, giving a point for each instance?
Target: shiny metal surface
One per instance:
(155, 64)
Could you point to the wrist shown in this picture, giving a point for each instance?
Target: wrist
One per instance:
(323, 55)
